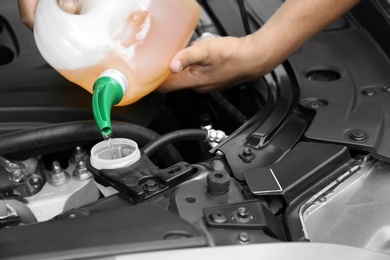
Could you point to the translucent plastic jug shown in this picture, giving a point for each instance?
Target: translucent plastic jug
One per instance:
(134, 40)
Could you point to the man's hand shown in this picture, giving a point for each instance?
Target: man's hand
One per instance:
(27, 9)
(215, 63)
(212, 64)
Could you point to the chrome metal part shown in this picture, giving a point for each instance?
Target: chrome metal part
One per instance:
(58, 176)
(81, 172)
(243, 238)
(353, 210)
(17, 171)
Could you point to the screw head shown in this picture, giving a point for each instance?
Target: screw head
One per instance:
(151, 185)
(386, 88)
(17, 176)
(219, 217)
(357, 135)
(242, 215)
(243, 212)
(36, 182)
(369, 91)
(314, 105)
(243, 238)
(247, 155)
(247, 152)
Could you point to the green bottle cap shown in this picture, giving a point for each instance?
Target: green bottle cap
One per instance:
(108, 91)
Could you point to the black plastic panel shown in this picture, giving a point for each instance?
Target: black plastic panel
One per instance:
(357, 101)
(305, 165)
(125, 230)
(269, 134)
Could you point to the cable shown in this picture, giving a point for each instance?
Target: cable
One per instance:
(180, 135)
(244, 16)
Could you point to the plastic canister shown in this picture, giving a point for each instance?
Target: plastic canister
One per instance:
(119, 50)
(138, 38)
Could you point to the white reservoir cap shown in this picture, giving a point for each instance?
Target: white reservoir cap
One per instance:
(123, 152)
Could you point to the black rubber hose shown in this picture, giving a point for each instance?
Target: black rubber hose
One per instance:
(244, 16)
(176, 136)
(56, 134)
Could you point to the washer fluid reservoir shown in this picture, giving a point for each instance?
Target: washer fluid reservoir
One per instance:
(114, 153)
(134, 40)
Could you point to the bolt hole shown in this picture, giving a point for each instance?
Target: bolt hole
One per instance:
(323, 75)
(218, 175)
(35, 182)
(191, 199)
(314, 103)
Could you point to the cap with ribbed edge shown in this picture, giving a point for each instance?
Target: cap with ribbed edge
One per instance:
(108, 91)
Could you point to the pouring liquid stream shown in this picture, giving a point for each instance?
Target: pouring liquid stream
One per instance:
(112, 149)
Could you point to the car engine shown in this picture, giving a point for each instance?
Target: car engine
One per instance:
(299, 155)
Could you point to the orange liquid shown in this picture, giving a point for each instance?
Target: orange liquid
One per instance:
(172, 23)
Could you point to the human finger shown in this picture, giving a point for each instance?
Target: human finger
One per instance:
(195, 54)
(27, 12)
(69, 6)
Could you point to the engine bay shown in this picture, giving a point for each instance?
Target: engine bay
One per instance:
(299, 155)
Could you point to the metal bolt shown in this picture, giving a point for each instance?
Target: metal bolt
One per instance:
(243, 238)
(78, 155)
(81, 172)
(357, 135)
(35, 182)
(151, 185)
(219, 217)
(242, 215)
(369, 91)
(386, 88)
(247, 152)
(243, 212)
(57, 169)
(17, 176)
(247, 155)
(58, 175)
(314, 105)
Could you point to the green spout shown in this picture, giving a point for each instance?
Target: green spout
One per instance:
(107, 92)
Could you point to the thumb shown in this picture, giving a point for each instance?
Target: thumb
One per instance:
(69, 6)
(193, 55)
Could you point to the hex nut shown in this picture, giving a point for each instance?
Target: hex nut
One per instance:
(218, 183)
